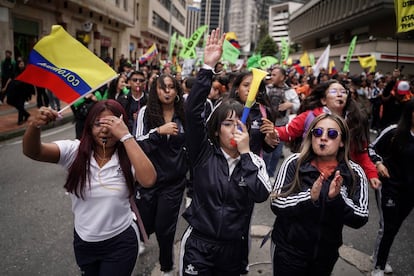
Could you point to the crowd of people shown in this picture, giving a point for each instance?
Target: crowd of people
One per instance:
(151, 137)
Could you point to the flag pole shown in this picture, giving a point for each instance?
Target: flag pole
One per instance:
(398, 53)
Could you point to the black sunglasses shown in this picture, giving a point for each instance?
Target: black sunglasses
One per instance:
(137, 79)
(318, 132)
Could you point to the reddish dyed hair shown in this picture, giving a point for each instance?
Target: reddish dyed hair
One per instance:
(77, 176)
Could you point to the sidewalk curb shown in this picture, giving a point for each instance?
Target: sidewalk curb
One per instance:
(19, 132)
(355, 258)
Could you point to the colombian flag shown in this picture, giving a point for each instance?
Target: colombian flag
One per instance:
(152, 52)
(331, 68)
(63, 65)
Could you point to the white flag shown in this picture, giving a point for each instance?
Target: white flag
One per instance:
(322, 62)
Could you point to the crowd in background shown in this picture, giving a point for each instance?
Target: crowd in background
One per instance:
(154, 100)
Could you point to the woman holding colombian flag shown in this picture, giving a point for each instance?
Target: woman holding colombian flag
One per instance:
(103, 167)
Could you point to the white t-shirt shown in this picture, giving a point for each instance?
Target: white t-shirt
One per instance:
(105, 210)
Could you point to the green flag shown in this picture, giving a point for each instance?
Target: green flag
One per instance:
(349, 54)
(189, 45)
(253, 61)
(312, 59)
(230, 53)
(285, 50)
(267, 61)
(173, 39)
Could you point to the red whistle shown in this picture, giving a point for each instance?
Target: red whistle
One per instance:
(233, 142)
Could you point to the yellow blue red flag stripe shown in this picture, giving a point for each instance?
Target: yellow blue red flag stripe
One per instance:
(63, 65)
(150, 53)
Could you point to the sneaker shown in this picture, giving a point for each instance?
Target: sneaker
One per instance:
(377, 272)
(167, 273)
(388, 268)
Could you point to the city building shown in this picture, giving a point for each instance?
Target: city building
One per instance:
(335, 22)
(213, 13)
(193, 20)
(243, 21)
(158, 20)
(279, 16)
(108, 28)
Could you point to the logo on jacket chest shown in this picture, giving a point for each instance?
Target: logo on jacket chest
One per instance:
(242, 183)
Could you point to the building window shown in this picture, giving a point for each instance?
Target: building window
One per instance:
(165, 3)
(159, 22)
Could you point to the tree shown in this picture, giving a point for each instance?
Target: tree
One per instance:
(267, 47)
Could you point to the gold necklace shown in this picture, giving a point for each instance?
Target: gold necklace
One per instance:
(103, 159)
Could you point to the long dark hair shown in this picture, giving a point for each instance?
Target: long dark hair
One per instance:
(154, 114)
(261, 97)
(113, 85)
(80, 168)
(402, 133)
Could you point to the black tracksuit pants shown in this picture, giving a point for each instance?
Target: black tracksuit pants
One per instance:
(394, 207)
(159, 207)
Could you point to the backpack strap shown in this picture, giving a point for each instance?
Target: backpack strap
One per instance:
(263, 110)
(308, 121)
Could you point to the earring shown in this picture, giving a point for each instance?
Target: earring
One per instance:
(177, 98)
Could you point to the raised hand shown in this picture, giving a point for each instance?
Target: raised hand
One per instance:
(214, 47)
(44, 116)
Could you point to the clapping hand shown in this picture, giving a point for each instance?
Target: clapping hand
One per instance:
(214, 47)
(335, 186)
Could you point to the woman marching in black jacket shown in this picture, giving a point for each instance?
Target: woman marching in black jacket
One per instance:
(160, 133)
(316, 193)
(393, 154)
(227, 179)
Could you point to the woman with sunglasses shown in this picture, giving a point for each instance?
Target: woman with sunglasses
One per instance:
(393, 153)
(160, 132)
(227, 179)
(317, 192)
(332, 98)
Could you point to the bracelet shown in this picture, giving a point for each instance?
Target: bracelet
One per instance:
(126, 137)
